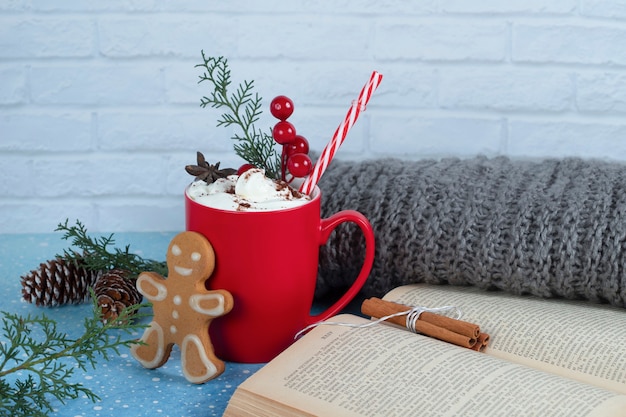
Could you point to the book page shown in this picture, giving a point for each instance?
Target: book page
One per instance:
(386, 371)
(579, 340)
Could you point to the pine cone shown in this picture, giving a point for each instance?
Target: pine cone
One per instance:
(115, 290)
(57, 282)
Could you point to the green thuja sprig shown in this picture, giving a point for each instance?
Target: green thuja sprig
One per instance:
(37, 360)
(243, 110)
(95, 254)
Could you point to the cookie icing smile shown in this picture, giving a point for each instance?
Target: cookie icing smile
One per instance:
(183, 271)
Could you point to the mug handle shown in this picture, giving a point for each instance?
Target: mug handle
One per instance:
(327, 226)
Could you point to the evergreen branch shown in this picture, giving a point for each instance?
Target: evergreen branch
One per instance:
(33, 346)
(243, 109)
(95, 254)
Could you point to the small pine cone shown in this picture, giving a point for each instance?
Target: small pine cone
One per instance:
(58, 282)
(115, 290)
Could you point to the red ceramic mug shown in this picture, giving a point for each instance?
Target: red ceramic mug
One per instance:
(268, 260)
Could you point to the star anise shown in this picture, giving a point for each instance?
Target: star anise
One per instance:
(207, 172)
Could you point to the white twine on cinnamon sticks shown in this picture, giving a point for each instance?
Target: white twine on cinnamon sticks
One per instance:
(412, 316)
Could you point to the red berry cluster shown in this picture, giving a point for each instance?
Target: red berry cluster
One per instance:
(295, 158)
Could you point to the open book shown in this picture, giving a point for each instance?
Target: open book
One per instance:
(545, 358)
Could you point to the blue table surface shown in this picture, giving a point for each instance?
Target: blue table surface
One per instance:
(125, 388)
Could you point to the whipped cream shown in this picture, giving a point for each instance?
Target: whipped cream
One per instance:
(250, 191)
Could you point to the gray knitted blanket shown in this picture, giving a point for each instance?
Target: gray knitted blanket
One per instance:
(553, 228)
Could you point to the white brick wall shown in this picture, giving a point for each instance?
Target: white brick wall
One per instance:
(96, 95)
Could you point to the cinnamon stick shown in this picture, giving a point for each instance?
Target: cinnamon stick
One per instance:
(375, 307)
(458, 326)
(481, 342)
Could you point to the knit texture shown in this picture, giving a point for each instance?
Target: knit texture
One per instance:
(551, 228)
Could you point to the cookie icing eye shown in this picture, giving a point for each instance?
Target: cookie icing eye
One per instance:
(195, 256)
(176, 251)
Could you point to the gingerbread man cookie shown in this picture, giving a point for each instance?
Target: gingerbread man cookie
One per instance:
(183, 309)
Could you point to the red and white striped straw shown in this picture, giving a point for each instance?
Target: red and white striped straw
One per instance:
(340, 134)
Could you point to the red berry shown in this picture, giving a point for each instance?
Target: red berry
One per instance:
(284, 132)
(244, 168)
(281, 107)
(299, 165)
(298, 145)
